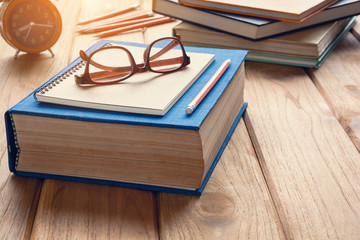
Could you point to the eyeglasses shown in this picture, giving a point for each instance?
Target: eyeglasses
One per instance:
(113, 64)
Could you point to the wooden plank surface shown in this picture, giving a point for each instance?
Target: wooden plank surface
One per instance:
(70, 210)
(234, 205)
(338, 82)
(309, 163)
(303, 182)
(19, 77)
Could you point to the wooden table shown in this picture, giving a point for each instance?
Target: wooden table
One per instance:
(291, 169)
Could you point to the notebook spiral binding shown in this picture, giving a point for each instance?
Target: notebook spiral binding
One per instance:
(61, 78)
(57, 80)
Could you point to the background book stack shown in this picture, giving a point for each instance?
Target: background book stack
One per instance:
(278, 9)
(256, 34)
(175, 152)
(306, 48)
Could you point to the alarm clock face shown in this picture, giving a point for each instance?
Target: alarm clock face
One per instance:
(31, 25)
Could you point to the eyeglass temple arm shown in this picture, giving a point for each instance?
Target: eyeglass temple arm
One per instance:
(164, 50)
(170, 46)
(106, 74)
(124, 70)
(157, 63)
(165, 62)
(85, 57)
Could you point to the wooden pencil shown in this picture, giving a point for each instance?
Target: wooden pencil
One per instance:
(109, 15)
(134, 26)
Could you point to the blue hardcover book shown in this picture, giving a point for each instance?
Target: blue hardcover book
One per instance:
(172, 153)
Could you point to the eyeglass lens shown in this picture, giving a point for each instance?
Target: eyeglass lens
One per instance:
(165, 56)
(114, 64)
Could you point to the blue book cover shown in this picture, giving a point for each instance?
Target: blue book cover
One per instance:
(175, 117)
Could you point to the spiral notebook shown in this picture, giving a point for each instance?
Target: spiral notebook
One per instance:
(143, 93)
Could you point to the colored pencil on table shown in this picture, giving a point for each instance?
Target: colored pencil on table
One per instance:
(119, 20)
(109, 15)
(128, 18)
(135, 26)
(120, 24)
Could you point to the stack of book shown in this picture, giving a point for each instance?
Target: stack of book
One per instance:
(135, 133)
(299, 33)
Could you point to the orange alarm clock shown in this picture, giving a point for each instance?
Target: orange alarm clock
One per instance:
(30, 26)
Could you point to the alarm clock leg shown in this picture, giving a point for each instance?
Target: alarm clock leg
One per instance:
(17, 53)
(51, 52)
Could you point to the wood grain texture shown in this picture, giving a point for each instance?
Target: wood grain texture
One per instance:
(338, 81)
(70, 210)
(92, 8)
(309, 163)
(19, 195)
(311, 188)
(234, 205)
(155, 32)
(18, 201)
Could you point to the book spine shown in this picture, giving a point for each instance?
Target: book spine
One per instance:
(12, 142)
